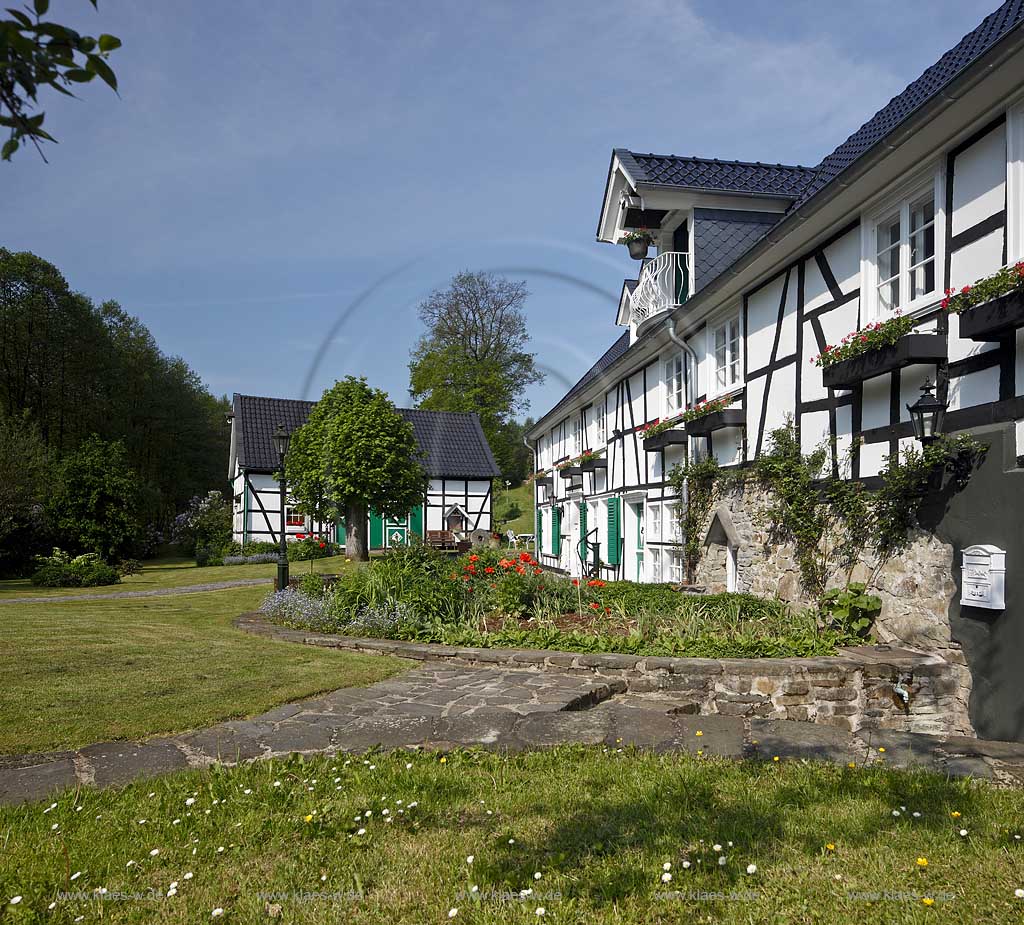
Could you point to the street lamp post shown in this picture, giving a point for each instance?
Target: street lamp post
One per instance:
(281, 440)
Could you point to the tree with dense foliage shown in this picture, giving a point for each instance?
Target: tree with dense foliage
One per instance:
(36, 54)
(355, 454)
(76, 369)
(473, 357)
(96, 499)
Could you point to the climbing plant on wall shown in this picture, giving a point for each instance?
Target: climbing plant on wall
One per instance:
(813, 504)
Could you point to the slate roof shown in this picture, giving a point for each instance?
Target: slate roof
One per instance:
(721, 237)
(992, 28)
(453, 442)
(612, 354)
(711, 174)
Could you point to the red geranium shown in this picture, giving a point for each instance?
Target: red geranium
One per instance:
(489, 570)
(524, 557)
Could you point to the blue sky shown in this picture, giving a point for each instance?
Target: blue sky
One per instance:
(274, 175)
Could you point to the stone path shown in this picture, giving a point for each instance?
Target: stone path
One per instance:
(441, 706)
(155, 592)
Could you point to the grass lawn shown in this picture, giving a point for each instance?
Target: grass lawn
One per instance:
(76, 673)
(171, 573)
(589, 831)
(522, 496)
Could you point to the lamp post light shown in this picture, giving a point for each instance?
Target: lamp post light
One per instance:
(281, 439)
(927, 415)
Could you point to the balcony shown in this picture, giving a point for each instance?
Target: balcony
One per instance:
(664, 284)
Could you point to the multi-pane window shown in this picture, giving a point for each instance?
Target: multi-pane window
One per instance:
(676, 566)
(600, 424)
(293, 518)
(577, 434)
(673, 529)
(675, 391)
(724, 348)
(905, 254)
(653, 531)
(655, 555)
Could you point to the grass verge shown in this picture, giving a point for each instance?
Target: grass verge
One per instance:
(404, 838)
(124, 669)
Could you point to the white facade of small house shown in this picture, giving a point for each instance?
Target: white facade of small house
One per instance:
(757, 269)
(455, 455)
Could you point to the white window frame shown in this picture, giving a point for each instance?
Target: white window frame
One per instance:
(291, 514)
(600, 423)
(673, 369)
(733, 360)
(577, 433)
(676, 570)
(899, 200)
(1015, 183)
(654, 569)
(652, 530)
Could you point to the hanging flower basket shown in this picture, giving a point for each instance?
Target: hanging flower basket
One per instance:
(638, 243)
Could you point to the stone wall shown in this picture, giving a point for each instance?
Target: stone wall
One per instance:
(916, 587)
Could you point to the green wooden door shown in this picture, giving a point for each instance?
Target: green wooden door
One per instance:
(396, 531)
(376, 531)
(416, 521)
(339, 533)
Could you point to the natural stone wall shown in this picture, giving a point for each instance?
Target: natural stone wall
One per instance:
(854, 690)
(916, 587)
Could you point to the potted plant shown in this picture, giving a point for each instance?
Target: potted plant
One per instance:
(588, 461)
(638, 242)
(659, 434)
(708, 416)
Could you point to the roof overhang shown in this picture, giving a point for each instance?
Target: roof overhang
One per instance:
(972, 97)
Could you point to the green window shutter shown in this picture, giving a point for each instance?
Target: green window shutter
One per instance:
(538, 539)
(556, 532)
(583, 520)
(376, 531)
(339, 533)
(614, 533)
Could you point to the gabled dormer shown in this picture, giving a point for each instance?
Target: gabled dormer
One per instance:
(701, 214)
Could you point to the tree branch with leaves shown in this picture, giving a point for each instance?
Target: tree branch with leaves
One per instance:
(36, 54)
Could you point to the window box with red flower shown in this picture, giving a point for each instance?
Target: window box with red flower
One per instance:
(708, 416)
(992, 307)
(589, 461)
(659, 434)
(568, 469)
(541, 477)
(878, 349)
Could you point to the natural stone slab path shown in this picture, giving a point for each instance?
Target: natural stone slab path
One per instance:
(153, 592)
(440, 706)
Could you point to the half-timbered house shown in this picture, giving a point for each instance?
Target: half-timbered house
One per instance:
(455, 455)
(757, 269)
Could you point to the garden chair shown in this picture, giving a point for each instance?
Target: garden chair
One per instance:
(513, 540)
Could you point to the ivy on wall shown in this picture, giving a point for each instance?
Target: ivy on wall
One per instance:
(829, 518)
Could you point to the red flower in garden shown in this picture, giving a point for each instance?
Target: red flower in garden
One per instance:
(576, 582)
(489, 570)
(323, 545)
(474, 558)
(300, 536)
(524, 557)
(538, 571)
(595, 583)
(607, 610)
(594, 605)
(520, 570)
(965, 290)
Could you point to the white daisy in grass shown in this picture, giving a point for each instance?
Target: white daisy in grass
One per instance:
(716, 848)
(130, 864)
(187, 876)
(526, 891)
(963, 833)
(172, 892)
(408, 766)
(247, 791)
(751, 868)
(474, 889)
(48, 809)
(217, 913)
(52, 906)
(142, 822)
(1019, 893)
(540, 910)
(191, 801)
(916, 814)
(895, 812)
(175, 822)
(152, 795)
(361, 832)
(174, 885)
(277, 783)
(220, 850)
(537, 875)
(154, 852)
(452, 912)
(666, 877)
(469, 858)
(414, 804)
(686, 865)
(511, 841)
(14, 900)
(78, 874)
(721, 860)
(54, 827)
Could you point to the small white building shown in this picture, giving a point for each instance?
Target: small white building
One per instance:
(455, 456)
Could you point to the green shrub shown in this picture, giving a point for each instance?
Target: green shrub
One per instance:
(850, 610)
(60, 570)
(310, 547)
(312, 585)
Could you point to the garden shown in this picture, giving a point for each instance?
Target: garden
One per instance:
(496, 598)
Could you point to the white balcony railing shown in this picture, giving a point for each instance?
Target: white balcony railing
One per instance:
(664, 284)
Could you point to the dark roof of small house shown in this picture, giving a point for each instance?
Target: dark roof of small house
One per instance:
(711, 174)
(971, 47)
(453, 442)
(613, 353)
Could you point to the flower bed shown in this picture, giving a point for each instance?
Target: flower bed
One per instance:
(488, 599)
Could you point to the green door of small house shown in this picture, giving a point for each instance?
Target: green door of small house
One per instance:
(639, 509)
(339, 533)
(416, 521)
(396, 531)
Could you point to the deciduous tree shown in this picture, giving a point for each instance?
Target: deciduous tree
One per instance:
(355, 454)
